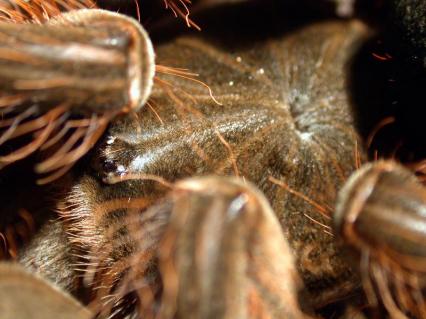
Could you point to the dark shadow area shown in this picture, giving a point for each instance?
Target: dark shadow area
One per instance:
(388, 88)
(243, 23)
(24, 208)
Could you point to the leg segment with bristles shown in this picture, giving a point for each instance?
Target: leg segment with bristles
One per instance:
(65, 78)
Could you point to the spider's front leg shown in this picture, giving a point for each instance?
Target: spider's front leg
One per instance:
(380, 214)
(224, 255)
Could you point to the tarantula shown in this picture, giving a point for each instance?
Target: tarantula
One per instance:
(152, 225)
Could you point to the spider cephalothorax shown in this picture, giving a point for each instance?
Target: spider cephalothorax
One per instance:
(266, 132)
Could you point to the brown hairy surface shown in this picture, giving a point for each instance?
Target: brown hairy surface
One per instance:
(216, 198)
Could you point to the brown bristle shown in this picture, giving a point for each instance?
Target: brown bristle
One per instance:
(180, 8)
(39, 11)
(116, 241)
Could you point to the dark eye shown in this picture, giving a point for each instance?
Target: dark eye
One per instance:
(101, 165)
(109, 166)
